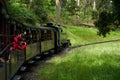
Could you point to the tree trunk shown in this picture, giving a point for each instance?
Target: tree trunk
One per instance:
(78, 2)
(29, 4)
(94, 5)
(58, 9)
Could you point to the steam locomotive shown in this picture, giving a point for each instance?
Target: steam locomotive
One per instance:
(48, 39)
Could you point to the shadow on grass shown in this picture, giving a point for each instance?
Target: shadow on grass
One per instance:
(90, 69)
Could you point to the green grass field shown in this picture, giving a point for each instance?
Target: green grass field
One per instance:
(93, 62)
(82, 35)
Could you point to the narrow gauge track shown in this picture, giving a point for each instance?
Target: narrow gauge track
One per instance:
(82, 45)
(30, 72)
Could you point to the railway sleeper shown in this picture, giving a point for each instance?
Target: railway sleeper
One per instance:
(37, 57)
(52, 51)
(31, 62)
(46, 54)
(17, 77)
(23, 68)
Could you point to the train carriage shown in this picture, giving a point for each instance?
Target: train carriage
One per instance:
(47, 39)
(17, 57)
(40, 41)
(4, 40)
(62, 40)
(33, 47)
(43, 41)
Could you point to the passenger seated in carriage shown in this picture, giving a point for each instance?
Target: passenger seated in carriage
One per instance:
(19, 42)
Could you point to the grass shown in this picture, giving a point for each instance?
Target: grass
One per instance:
(93, 62)
(82, 35)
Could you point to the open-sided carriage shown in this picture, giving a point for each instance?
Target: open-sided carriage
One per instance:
(40, 40)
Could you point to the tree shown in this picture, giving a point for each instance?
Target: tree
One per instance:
(58, 7)
(108, 17)
(19, 11)
(116, 12)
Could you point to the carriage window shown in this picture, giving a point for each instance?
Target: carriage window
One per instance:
(42, 35)
(34, 35)
(38, 35)
(45, 33)
(49, 35)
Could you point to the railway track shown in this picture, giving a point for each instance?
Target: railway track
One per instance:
(82, 45)
(30, 72)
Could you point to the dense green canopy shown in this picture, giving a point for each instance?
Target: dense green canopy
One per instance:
(105, 14)
(109, 17)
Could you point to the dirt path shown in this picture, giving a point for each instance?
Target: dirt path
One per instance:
(31, 73)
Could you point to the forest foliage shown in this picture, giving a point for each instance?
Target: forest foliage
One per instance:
(36, 12)
(105, 14)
